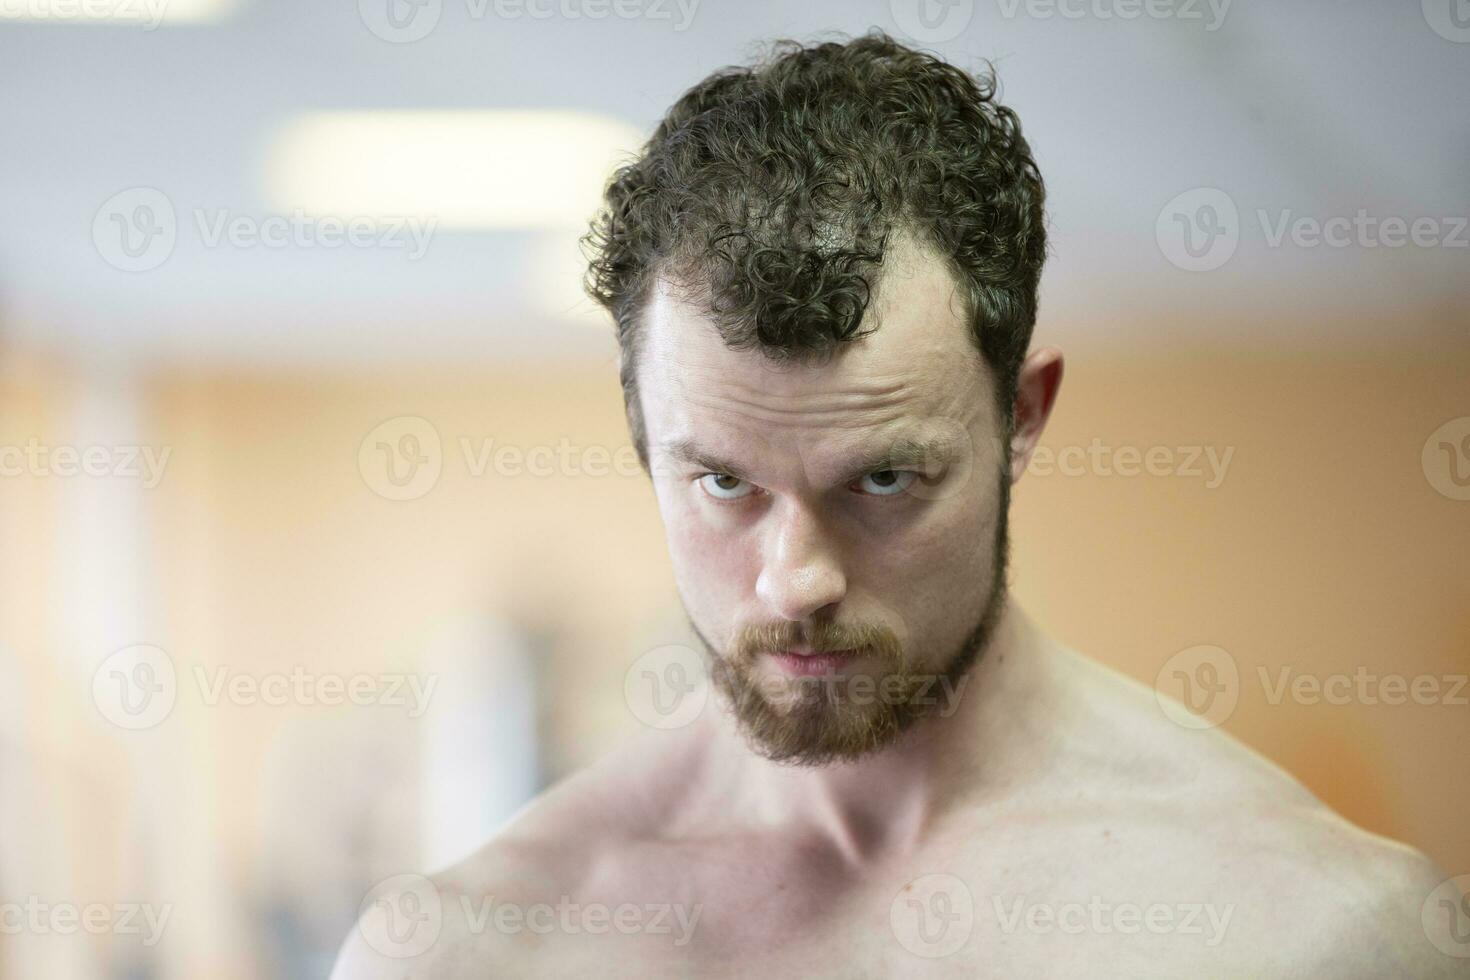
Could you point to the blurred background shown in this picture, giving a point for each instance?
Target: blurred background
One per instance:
(322, 547)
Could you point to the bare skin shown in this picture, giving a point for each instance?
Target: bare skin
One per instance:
(1048, 821)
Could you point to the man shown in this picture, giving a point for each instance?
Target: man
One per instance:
(823, 272)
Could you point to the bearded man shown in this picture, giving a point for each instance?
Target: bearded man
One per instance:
(823, 271)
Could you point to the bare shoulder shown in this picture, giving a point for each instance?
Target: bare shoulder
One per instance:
(520, 897)
(1309, 889)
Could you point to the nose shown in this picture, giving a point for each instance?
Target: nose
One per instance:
(802, 573)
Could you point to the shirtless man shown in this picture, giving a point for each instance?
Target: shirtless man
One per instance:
(824, 276)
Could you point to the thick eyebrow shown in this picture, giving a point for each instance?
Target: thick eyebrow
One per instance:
(690, 453)
(928, 455)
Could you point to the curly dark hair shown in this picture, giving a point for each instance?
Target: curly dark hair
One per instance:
(772, 189)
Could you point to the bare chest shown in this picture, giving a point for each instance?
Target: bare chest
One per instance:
(1050, 900)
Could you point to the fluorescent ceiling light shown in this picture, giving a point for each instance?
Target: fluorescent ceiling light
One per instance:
(504, 168)
(148, 13)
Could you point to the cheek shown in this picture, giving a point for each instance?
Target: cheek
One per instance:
(952, 539)
(710, 564)
(939, 576)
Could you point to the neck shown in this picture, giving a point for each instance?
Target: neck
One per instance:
(974, 740)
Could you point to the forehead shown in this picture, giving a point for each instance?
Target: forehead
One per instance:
(918, 371)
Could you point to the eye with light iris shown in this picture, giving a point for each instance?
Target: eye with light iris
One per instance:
(887, 483)
(723, 486)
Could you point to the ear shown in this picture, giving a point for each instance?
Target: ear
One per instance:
(1036, 393)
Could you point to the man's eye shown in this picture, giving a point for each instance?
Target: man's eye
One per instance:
(887, 483)
(722, 486)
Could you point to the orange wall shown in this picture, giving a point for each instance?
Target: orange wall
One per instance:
(1325, 548)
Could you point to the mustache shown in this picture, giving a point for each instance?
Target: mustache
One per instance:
(873, 639)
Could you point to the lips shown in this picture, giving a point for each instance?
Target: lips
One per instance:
(807, 663)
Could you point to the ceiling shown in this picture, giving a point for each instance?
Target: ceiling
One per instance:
(1313, 109)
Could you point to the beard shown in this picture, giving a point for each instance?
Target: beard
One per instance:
(819, 720)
